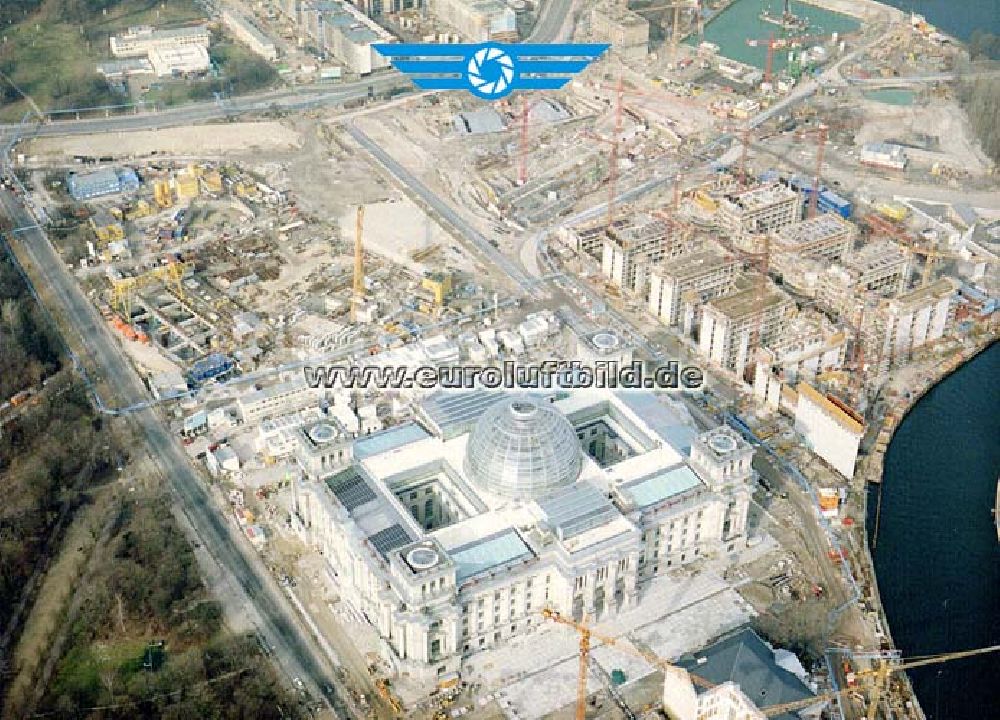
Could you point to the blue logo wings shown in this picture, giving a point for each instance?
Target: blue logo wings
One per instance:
(491, 70)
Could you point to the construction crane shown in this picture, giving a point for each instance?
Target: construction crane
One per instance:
(613, 142)
(359, 267)
(880, 675)
(588, 637)
(774, 43)
(123, 289)
(881, 226)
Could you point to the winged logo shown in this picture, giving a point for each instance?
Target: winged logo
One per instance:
(491, 70)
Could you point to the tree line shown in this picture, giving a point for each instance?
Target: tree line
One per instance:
(981, 100)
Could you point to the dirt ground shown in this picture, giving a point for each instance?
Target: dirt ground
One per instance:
(248, 138)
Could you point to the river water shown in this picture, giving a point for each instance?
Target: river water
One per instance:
(937, 558)
(955, 17)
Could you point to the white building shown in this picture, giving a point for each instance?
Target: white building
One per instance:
(830, 428)
(182, 60)
(915, 319)
(245, 31)
(450, 535)
(734, 325)
(477, 20)
(707, 274)
(756, 211)
(809, 345)
(886, 155)
(276, 400)
(346, 32)
(139, 41)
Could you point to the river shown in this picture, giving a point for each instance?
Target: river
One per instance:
(937, 558)
(955, 17)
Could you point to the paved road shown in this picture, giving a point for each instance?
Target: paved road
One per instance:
(296, 654)
(442, 208)
(551, 21)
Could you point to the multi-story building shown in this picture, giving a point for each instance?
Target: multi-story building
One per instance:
(708, 273)
(451, 534)
(764, 209)
(276, 400)
(825, 237)
(880, 269)
(810, 345)
(140, 40)
(734, 325)
(631, 252)
(344, 31)
(910, 321)
(181, 60)
(246, 32)
(829, 427)
(477, 20)
(627, 31)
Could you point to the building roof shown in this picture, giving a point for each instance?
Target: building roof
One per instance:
(490, 552)
(577, 509)
(390, 439)
(661, 486)
(522, 447)
(745, 303)
(669, 422)
(840, 413)
(453, 413)
(743, 658)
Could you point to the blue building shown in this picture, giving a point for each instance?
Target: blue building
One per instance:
(102, 182)
(210, 367)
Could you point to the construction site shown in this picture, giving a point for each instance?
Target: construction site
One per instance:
(780, 227)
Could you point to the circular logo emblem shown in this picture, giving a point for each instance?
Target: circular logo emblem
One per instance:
(490, 72)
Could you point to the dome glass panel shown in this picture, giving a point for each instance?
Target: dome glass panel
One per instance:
(523, 448)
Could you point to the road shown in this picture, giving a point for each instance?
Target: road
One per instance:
(295, 653)
(442, 208)
(551, 22)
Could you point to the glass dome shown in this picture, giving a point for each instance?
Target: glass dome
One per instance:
(522, 448)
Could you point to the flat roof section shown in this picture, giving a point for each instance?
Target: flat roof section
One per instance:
(351, 489)
(387, 440)
(654, 489)
(493, 551)
(671, 426)
(578, 509)
(390, 538)
(453, 413)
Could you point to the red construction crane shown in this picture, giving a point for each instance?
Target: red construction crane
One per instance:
(774, 43)
(620, 91)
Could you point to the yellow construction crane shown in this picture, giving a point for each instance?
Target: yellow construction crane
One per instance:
(880, 675)
(359, 268)
(123, 289)
(587, 636)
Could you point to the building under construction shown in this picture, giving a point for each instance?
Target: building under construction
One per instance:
(810, 345)
(629, 253)
(879, 269)
(734, 325)
(627, 31)
(824, 237)
(706, 274)
(910, 321)
(764, 209)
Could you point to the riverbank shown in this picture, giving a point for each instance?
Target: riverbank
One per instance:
(904, 390)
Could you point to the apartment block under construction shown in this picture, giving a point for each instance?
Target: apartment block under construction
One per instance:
(630, 252)
(734, 325)
(879, 269)
(910, 321)
(699, 276)
(824, 237)
(764, 209)
(809, 346)
(626, 30)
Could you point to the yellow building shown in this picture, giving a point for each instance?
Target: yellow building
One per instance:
(212, 180)
(106, 228)
(186, 185)
(439, 285)
(162, 193)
